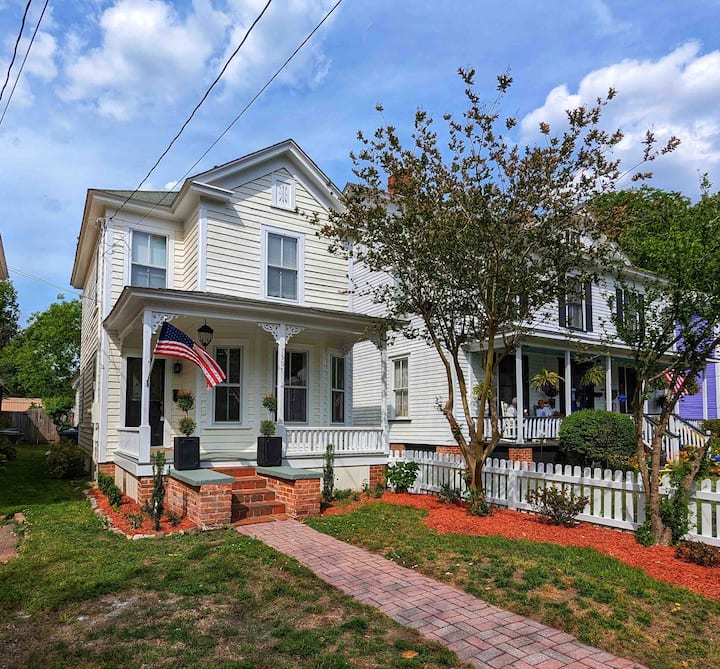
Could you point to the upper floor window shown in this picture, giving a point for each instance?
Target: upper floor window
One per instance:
(338, 389)
(283, 192)
(401, 387)
(283, 270)
(575, 309)
(228, 394)
(629, 309)
(149, 260)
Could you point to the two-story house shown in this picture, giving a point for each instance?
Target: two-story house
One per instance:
(232, 259)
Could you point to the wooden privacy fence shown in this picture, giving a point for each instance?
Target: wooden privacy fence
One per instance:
(35, 426)
(615, 498)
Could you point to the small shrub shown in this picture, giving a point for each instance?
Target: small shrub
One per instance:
(135, 520)
(698, 553)
(379, 490)
(267, 428)
(345, 494)
(644, 535)
(402, 475)
(65, 460)
(598, 436)
(173, 518)
(7, 450)
(328, 485)
(557, 505)
(107, 487)
(187, 426)
(158, 493)
(448, 494)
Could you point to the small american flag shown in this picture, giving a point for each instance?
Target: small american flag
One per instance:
(176, 344)
(675, 381)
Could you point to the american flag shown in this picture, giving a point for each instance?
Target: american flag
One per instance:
(176, 344)
(675, 381)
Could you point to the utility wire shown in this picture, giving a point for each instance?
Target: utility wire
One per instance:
(22, 65)
(237, 118)
(45, 281)
(17, 41)
(197, 106)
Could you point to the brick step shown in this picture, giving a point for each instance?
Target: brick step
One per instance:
(261, 519)
(249, 483)
(236, 471)
(252, 495)
(256, 509)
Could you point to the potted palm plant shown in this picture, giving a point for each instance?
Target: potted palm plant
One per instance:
(546, 381)
(269, 446)
(186, 451)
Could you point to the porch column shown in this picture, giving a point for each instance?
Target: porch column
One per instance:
(384, 423)
(568, 384)
(704, 395)
(281, 333)
(144, 429)
(519, 394)
(608, 383)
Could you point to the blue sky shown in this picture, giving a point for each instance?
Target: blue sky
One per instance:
(108, 83)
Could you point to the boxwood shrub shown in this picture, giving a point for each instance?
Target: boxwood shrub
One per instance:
(598, 438)
(66, 460)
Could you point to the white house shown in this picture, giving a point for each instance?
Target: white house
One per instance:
(234, 252)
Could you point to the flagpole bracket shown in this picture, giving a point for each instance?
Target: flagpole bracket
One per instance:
(158, 318)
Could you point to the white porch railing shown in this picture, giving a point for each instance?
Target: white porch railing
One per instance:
(346, 440)
(533, 428)
(689, 434)
(670, 441)
(615, 498)
(129, 442)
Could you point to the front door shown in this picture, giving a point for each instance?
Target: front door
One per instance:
(133, 394)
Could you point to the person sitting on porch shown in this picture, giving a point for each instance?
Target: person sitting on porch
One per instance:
(512, 410)
(542, 410)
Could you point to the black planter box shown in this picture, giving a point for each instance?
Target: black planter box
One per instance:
(186, 453)
(269, 451)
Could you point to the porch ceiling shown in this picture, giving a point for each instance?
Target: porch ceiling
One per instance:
(126, 317)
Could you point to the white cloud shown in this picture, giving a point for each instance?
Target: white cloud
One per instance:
(148, 56)
(604, 19)
(677, 94)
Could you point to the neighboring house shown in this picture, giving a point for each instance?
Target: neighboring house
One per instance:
(235, 251)
(703, 404)
(3, 263)
(567, 337)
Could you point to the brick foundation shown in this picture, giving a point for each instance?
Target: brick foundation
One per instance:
(107, 468)
(520, 454)
(301, 498)
(397, 447)
(208, 506)
(454, 450)
(377, 476)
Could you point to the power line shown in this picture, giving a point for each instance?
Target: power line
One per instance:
(45, 281)
(197, 106)
(235, 120)
(17, 42)
(22, 65)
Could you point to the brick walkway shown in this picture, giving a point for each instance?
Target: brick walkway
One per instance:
(8, 539)
(479, 633)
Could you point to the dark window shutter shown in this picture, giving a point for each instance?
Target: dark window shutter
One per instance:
(619, 315)
(588, 308)
(562, 311)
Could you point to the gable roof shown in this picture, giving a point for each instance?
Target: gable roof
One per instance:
(212, 183)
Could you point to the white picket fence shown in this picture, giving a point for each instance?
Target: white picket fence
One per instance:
(615, 498)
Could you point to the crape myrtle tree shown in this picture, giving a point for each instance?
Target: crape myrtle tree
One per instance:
(477, 236)
(670, 319)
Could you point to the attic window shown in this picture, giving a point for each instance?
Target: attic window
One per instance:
(283, 192)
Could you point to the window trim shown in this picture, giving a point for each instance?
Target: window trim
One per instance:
(395, 416)
(169, 253)
(332, 389)
(283, 232)
(210, 417)
(585, 306)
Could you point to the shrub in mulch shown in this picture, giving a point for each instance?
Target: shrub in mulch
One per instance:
(129, 517)
(698, 553)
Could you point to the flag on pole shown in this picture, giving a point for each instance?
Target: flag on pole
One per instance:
(176, 344)
(675, 381)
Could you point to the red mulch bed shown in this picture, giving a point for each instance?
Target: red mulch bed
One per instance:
(118, 519)
(657, 561)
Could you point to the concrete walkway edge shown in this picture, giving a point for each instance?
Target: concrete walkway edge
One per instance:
(484, 635)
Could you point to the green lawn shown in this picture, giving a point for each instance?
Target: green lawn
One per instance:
(80, 596)
(598, 599)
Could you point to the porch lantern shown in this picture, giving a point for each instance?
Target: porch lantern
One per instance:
(205, 334)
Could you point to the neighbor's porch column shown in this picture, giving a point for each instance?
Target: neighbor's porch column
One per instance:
(519, 394)
(568, 384)
(704, 395)
(144, 429)
(608, 383)
(384, 423)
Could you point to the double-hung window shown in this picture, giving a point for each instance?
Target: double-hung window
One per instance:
(400, 387)
(148, 268)
(296, 368)
(575, 308)
(337, 383)
(629, 310)
(282, 266)
(228, 394)
(574, 302)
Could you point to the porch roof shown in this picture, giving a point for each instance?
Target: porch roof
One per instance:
(126, 314)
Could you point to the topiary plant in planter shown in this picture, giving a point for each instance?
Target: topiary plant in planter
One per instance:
(269, 447)
(186, 450)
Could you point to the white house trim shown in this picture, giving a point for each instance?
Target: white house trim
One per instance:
(202, 248)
